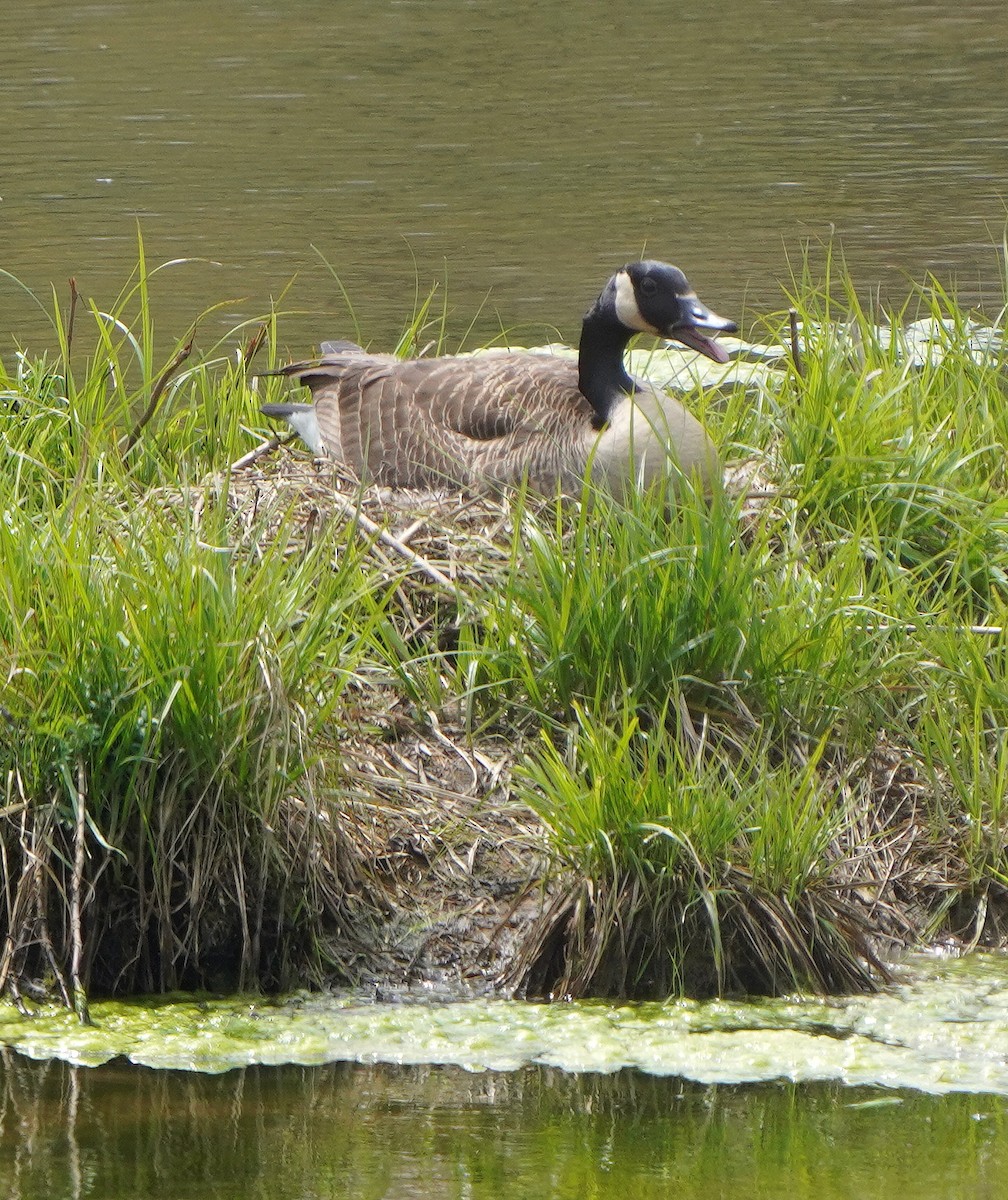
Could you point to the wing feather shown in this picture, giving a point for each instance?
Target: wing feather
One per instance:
(490, 417)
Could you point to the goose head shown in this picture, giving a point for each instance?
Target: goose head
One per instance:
(642, 297)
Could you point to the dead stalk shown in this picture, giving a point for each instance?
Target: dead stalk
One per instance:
(76, 933)
(372, 529)
(127, 442)
(72, 314)
(266, 447)
(41, 846)
(254, 344)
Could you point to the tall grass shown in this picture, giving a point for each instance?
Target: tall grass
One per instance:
(712, 672)
(170, 665)
(751, 723)
(705, 869)
(898, 445)
(690, 672)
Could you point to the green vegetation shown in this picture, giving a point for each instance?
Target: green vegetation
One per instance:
(168, 664)
(766, 734)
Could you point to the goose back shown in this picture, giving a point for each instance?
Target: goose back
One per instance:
(486, 419)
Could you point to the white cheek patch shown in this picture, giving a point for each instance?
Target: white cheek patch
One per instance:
(627, 311)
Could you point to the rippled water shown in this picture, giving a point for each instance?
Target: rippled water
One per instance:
(519, 151)
(382, 1133)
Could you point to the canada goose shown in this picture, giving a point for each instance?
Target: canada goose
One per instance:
(498, 417)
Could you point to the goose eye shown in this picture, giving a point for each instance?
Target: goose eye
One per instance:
(648, 286)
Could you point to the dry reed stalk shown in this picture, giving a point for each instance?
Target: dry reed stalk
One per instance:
(76, 885)
(128, 441)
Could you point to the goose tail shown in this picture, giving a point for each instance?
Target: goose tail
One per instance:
(302, 419)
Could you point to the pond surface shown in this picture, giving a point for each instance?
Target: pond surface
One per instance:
(383, 1133)
(901, 1093)
(518, 151)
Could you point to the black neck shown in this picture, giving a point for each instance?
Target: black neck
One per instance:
(601, 373)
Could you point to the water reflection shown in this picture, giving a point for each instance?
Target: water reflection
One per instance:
(354, 1131)
(521, 150)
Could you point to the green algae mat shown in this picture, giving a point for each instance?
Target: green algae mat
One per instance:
(944, 1029)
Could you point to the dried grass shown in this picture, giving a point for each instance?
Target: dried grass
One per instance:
(472, 892)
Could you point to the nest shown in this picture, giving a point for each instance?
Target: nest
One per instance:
(455, 859)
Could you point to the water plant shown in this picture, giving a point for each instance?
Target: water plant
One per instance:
(762, 733)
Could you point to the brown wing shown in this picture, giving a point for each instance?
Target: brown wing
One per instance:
(491, 417)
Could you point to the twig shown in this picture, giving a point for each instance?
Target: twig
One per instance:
(76, 935)
(406, 535)
(371, 528)
(127, 442)
(72, 314)
(796, 357)
(266, 447)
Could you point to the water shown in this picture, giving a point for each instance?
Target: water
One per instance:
(519, 152)
(374, 1132)
(901, 1093)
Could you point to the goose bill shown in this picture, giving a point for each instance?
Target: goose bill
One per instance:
(691, 336)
